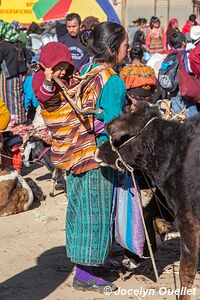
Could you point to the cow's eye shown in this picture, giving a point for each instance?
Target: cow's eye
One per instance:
(120, 141)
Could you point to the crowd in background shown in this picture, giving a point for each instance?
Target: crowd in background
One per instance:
(155, 38)
(20, 49)
(158, 45)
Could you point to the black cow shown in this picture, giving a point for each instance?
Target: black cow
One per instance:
(169, 152)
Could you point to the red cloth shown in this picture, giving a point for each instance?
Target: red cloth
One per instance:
(194, 58)
(189, 85)
(54, 53)
(12, 159)
(186, 27)
(17, 160)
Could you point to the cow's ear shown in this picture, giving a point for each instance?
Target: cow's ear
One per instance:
(147, 109)
(142, 106)
(118, 128)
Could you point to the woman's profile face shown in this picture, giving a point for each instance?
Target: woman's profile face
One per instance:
(123, 49)
(175, 25)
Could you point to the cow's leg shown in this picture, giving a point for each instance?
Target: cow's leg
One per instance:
(189, 253)
(53, 183)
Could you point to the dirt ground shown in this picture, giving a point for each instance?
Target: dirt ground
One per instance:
(34, 264)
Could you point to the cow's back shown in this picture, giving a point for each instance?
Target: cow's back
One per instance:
(183, 186)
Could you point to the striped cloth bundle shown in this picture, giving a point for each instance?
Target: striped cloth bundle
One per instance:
(129, 230)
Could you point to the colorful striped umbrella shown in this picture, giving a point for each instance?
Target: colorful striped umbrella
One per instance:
(57, 9)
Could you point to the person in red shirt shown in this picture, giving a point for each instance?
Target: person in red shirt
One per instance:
(192, 21)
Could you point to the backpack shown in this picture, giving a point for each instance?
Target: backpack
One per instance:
(168, 73)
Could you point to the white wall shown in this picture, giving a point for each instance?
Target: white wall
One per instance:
(180, 9)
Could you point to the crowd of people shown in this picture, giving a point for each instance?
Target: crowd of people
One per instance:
(159, 45)
(122, 72)
(155, 39)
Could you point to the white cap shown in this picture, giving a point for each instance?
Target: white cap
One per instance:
(195, 32)
(36, 42)
(48, 37)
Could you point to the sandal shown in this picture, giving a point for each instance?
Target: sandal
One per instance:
(93, 286)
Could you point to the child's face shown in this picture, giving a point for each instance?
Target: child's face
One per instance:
(156, 24)
(60, 69)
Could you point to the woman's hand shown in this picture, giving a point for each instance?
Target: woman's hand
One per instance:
(48, 74)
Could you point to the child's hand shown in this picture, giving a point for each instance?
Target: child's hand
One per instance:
(48, 74)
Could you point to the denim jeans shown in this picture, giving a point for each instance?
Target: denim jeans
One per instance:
(178, 103)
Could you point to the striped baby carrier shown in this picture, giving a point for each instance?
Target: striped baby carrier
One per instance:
(73, 134)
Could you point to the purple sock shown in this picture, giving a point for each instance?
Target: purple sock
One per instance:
(84, 273)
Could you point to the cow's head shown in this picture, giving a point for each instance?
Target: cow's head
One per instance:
(123, 128)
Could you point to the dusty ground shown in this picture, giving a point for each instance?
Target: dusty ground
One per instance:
(34, 265)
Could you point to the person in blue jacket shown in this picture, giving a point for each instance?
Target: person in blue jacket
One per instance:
(30, 100)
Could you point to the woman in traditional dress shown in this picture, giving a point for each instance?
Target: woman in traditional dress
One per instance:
(155, 37)
(75, 137)
(140, 79)
(171, 28)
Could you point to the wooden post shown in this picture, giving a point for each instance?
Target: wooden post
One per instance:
(155, 7)
(168, 10)
(193, 6)
(123, 13)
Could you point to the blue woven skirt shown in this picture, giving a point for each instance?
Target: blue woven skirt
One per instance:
(88, 233)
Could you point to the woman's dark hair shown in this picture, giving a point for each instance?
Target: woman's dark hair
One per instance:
(136, 52)
(137, 21)
(34, 28)
(143, 21)
(84, 35)
(153, 21)
(105, 41)
(177, 39)
(89, 23)
(193, 18)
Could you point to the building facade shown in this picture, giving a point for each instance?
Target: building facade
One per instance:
(163, 9)
(129, 10)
